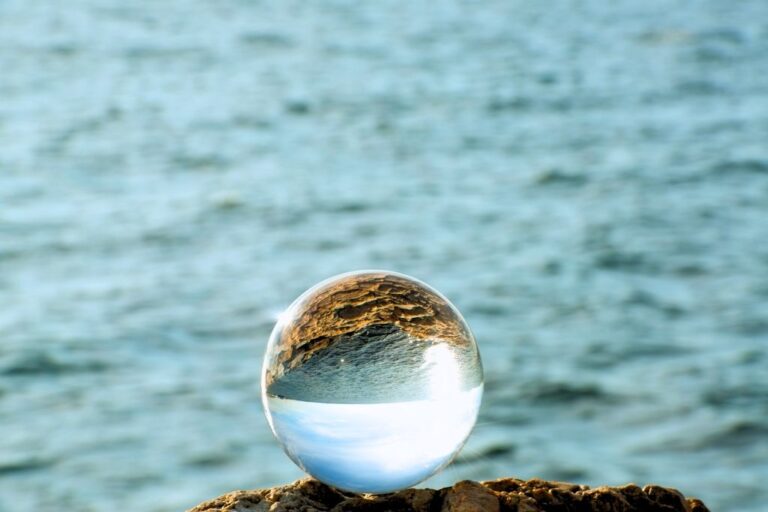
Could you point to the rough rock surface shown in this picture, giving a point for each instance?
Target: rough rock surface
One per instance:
(360, 300)
(503, 495)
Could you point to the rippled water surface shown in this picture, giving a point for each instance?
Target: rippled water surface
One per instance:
(587, 182)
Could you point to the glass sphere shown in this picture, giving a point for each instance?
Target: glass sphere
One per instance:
(371, 381)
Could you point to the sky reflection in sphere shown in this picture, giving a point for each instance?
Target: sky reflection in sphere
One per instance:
(372, 381)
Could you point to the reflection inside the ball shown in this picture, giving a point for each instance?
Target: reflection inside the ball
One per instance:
(372, 381)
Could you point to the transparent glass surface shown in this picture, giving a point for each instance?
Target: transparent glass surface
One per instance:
(372, 381)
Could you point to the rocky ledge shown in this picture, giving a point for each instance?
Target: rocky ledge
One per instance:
(503, 495)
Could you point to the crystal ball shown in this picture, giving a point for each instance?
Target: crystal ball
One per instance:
(372, 381)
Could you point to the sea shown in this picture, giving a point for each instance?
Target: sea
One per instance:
(586, 181)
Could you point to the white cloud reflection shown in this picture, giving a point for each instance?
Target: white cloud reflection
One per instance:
(378, 447)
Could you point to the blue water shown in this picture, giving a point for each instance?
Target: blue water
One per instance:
(588, 183)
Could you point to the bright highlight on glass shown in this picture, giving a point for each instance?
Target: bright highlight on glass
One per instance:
(372, 381)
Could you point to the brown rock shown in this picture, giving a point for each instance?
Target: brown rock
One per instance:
(503, 495)
(470, 496)
(358, 301)
(663, 497)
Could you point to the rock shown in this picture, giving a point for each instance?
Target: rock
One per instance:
(469, 496)
(502, 495)
(367, 299)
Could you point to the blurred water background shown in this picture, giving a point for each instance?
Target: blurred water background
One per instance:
(587, 182)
